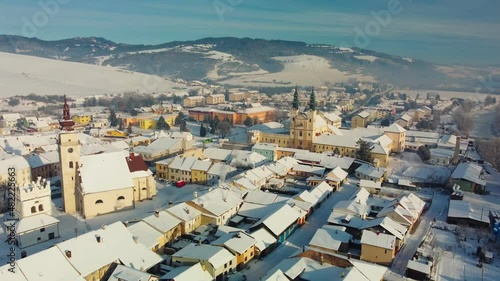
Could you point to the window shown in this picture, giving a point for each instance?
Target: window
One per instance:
(33, 209)
(39, 239)
(40, 208)
(122, 198)
(99, 202)
(71, 164)
(42, 229)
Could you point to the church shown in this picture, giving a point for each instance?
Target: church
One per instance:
(312, 130)
(102, 183)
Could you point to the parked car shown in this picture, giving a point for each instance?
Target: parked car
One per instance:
(180, 184)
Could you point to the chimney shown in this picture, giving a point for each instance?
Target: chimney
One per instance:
(456, 154)
(68, 253)
(136, 239)
(125, 223)
(378, 232)
(321, 258)
(23, 254)
(157, 214)
(195, 194)
(99, 238)
(103, 226)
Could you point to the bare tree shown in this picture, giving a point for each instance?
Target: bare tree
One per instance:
(463, 119)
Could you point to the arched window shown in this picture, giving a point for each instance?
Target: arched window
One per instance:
(99, 201)
(121, 198)
(71, 164)
(40, 208)
(33, 209)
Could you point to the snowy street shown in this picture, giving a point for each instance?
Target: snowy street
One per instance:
(300, 237)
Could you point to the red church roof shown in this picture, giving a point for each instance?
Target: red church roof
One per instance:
(136, 163)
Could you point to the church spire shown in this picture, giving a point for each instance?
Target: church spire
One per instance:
(66, 123)
(312, 101)
(295, 103)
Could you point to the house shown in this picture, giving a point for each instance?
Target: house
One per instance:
(368, 172)
(189, 216)
(194, 101)
(9, 120)
(199, 171)
(336, 177)
(371, 186)
(89, 255)
(82, 119)
(162, 148)
(148, 236)
(217, 206)
(218, 155)
(469, 177)
(36, 229)
(23, 170)
(119, 240)
(265, 242)
(268, 150)
(219, 172)
(168, 225)
(281, 223)
(217, 261)
(360, 120)
(378, 247)
(441, 157)
(48, 265)
(387, 225)
(240, 244)
(398, 136)
(180, 168)
(45, 165)
(124, 273)
(331, 239)
(188, 273)
(216, 99)
(404, 121)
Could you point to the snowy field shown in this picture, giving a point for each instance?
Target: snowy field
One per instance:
(71, 226)
(22, 75)
(409, 166)
(301, 70)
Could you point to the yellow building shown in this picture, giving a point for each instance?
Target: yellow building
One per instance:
(194, 101)
(239, 244)
(199, 171)
(378, 247)
(190, 217)
(360, 120)
(216, 99)
(237, 96)
(115, 134)
(153, 121)
(82, 119)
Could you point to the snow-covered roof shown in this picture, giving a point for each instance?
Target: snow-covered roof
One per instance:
(370, 184)
(363, 114)
(35, 222)
(162, 221)
(215, 255)
(7, 275)
(184, 212)
(201, 165)
(104, 172)
(188, 273)
(260, 197)
(280, 220)
(87, 254)
(395, 128)
(470, 172)
(134, 254)
(18, 162)
(388, 224)
(146, 234)
(220, 168)
(371, 171)
(47, 265)
(329, 238)
(263, 238)
(238, 242)
(380, 240)
(218, 201)
(217, 153)
(124, 273)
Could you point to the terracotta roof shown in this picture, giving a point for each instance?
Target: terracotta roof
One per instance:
(136, 163)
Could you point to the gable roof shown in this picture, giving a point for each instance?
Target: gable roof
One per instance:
(215, 255)
(238, 242)
(380, 240)
(183, 212)
(470, 172)
(104, 172)
(162, 221)
(146, 234)
(395, 128)
(218, 201)
(188, 273)
(47, 265)
(280, 220)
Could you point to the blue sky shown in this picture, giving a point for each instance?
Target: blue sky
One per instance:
(443, 31)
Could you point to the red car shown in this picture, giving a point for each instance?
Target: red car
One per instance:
(180, 184)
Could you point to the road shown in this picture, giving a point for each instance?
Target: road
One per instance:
(301, 237)
(436, 210)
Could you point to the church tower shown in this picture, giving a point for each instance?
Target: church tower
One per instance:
(302, 124)
(69, 156)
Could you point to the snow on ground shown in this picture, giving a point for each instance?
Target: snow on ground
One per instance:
(22, 75)
(368, 58)
(409, 166)
(448, 94)
(303, 69)
(71, 226)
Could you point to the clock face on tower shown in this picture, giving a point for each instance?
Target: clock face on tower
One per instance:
(70, 150)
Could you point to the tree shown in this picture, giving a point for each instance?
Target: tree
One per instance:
(426, 125)
(386, 122)
(113, 121)
(436, 117)
(490, 151)
(183, 126)
(207, 119)
(203, 131)
(226, 94)
(248, 121)
(162, 124)
(424, 153)
(120, 125)
(224, 129)
(336, 151)
(364, 151)
(295, 102)
(193, 93)
(463, 120)
(177, 100)
(14, 101)
(438, 97)
(178, 119)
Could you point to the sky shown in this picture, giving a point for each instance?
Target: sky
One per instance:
(440, 31)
